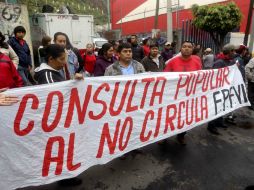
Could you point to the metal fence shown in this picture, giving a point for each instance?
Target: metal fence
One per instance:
(197, 36)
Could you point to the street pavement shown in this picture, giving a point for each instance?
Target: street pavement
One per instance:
(207, 162)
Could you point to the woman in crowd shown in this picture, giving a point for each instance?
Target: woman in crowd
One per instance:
(49, 72)
(73, 63)
(115, 47)
(89, 60)
(9, 76)
(105, 59)
(7, 50)
(70, 50)
(146, 47)
(46, 40)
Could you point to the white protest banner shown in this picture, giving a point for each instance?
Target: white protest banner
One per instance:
(57, 131)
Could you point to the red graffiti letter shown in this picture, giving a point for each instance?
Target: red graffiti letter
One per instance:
(148, 82)
(142, 137)
(169, 118)
(20, 113)
(53, 125)
(98, 101)
(48, 158)
(181, 85)
(131, 108)
(158, 93)
(122, 99)
(105, 135)
(121, 145)
(75, 101)
(70, 154)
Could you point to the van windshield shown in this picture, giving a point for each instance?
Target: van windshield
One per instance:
(100, 43)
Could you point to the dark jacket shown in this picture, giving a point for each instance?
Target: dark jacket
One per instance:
(42, 54)
(80, 59)
(46, 74)
(150, 65)
(9, 77)
(222, 61)
(167, 54)
(23, 52)
(101, 64)
(137, 52)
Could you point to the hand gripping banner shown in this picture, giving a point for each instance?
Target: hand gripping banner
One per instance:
(59, 130)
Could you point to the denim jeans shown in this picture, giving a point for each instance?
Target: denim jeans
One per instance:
(24, 73)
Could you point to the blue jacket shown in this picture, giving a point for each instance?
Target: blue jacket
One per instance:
(23, 52)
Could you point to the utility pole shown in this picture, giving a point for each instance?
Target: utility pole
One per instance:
(169, 21)
(247, 30)
(156, 14)
(177, 14)
(144, 20)
(108, 7)
(252, 36)
(121, 15)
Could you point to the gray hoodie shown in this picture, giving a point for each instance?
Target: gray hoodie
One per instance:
(249, 71)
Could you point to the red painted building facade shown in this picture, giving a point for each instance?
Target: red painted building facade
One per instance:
(134, 16)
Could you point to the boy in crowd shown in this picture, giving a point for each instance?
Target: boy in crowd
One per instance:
(125, 65)
(21, 48)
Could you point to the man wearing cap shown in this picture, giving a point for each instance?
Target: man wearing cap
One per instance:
(224, 59)
(208, 59)
(239, 59)
(167, 53)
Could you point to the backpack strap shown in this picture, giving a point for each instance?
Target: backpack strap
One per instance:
(4, 61)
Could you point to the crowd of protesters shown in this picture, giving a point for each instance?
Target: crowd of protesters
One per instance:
(61, 61)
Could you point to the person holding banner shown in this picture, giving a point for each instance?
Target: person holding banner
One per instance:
(224, 59)
(185, 62)
(50, 73)
(125, 65)
(74, 62)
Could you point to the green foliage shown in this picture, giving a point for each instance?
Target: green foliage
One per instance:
(217, 18)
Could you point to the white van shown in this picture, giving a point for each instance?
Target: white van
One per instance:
(98, 42)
